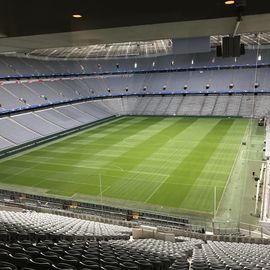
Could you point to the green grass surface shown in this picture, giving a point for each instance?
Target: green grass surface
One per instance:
(162, 161)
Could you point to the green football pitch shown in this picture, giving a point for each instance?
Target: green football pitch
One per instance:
(170, 162)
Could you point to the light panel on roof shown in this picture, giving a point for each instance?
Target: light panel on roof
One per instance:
(125, 49)
(77, 16)
(229, 2)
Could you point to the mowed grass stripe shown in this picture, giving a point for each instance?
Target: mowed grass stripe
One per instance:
(161, 168)
(169, 193)
(65, 145)
(109, 175)
(83, 165)
(112, 137)
(217, 170)
(77, 153)
(52, 168)
(152, 125)
(136, 165)
(142, 152)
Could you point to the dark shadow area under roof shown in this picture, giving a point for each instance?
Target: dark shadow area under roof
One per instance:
(31, 17)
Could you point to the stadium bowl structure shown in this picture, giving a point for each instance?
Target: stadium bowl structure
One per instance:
(142, 120)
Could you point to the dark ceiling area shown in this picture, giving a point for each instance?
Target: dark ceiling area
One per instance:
(33, 17)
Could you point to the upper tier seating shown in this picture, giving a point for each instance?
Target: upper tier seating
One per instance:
(13, 96)
(27, 66)
(33, 94)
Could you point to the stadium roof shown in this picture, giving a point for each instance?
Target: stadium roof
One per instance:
(249, 39)
(29, 25)
(31, 17)
(125, 49)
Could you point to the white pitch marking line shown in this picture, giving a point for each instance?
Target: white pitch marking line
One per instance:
(154, 191)
(20, 172)
(118, 167)
(89, 167)
(66, 181)
(247, 159)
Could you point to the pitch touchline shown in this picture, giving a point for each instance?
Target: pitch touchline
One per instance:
(246, 159)
(238, 156)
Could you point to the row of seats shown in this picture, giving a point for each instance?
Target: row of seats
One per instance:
(19, 250)
(211, 105)
(48, 224)
(159, 247)
(21, 97)
(110, 255)
(142, 254)
(23, 128)
(226, 255)
(14, 95)
(27, 66)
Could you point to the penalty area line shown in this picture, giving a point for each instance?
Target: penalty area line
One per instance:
(156, 189)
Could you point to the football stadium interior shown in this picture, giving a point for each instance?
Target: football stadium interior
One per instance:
(134, 136)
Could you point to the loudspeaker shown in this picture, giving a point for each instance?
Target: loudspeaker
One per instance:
(236, 46)
(219, 51)
(227, 46)
(242, 49)
(231, 47)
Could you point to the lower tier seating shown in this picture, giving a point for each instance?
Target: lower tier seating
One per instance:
(224, 255)
(30, 240)
(33, 225)
(144, 254)
(30, 126)
(106, 255)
